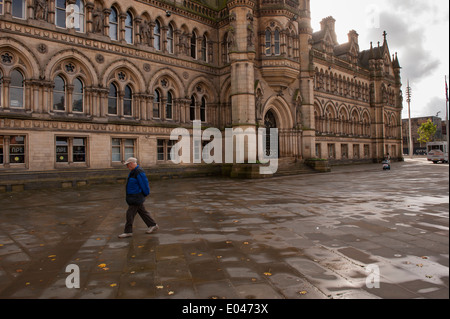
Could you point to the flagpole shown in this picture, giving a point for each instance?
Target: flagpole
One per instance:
(408, 99)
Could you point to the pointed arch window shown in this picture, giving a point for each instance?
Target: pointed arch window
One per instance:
(268, 42)
(194, 46)
(112, 99)
(169, 105)
(129, 28)
(203, 110)
(156, 103)
(18, 9)
(170, 39)
(1, 81)
(16, 89)
(204, 48)
(157, 35)
(78, 96)
(128, 101)
(192, 109)
(59, 94)
(113, 24)
(277, 42)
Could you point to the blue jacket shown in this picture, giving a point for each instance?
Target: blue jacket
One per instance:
(137, 182)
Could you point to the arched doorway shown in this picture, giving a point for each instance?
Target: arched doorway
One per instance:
(271, 136)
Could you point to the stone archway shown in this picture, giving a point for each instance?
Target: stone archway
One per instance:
(270, 122)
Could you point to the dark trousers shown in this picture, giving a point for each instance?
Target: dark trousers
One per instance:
(131, 213)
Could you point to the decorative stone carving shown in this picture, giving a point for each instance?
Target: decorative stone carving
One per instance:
(40, 9)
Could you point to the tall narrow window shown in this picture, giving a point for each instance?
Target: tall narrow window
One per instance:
(79, 150)
(203, 110)
(268, 42)
(79, 23)
(1, 150)
(194, 45)
(157, 36)
(129, 28)
(169, 106)
(18, 8)
(60, 13)
(113, 24)
(192, 109)
(170, 39)
(16, 89)
(59, 94)
(128, 101)
(77, 96)
(112, 99)
(156, 103)
(204, 48)
(277, 42)
(1, 10)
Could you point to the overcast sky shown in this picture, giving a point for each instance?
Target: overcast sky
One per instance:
(417, 29)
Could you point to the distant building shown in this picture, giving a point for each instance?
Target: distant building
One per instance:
(420, 148)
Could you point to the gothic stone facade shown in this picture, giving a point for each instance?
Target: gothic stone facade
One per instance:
(85, 84)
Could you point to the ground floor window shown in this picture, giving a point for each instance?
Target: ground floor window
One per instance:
(331, 151)
(355, 151)
(70, 149)
(163, 149)
(344, 151)
(123, 148)
(366, 151)
(318, 152)
(12, 149)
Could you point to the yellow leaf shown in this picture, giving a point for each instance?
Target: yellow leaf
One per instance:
(159, 287)
(52, 256)
(170, 293)
(200, 255)
(113, 285)
(102, 266)
(303, 292)
(268, 274)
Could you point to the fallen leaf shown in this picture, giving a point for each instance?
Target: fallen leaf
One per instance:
(268, 274)
(303, 292)
(228, 242)
(218, 257)
(27, 284)
(102, 266)
(200, 255)
(419, 265)
(159, 287)
(141, 246)
(19, 270)
(245, 242)
(424, 257)
(113, 285)
(429, 276)
(170, 293)
(133, 283)
(52, 256)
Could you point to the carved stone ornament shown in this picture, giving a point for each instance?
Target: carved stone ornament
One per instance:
(7, 58)
(99, 58)
(42, 48)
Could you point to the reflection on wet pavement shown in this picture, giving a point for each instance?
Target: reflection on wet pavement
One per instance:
(308, 236)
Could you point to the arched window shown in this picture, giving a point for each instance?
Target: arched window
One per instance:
(59, 94)
(157, 36)
(16, 89)
(192, 109)
(169, 106)
(156, 103)
(204, 48)
(203, 110)
(268, 42)
(113, 24)
(112, 99)
(1, 12)
(77, 96)
(128, 101)
(170, 39)
(194, 46)
(277, 42)
(60, 8)
(18, 9)
(129, 28)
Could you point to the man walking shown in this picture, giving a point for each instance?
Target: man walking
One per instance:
(137, 189)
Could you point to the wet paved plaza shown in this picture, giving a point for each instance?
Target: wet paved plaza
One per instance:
(305, 237)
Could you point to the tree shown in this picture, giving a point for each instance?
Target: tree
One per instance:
(427, 131)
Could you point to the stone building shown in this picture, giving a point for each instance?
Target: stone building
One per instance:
(85, 84)
(418, 147)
